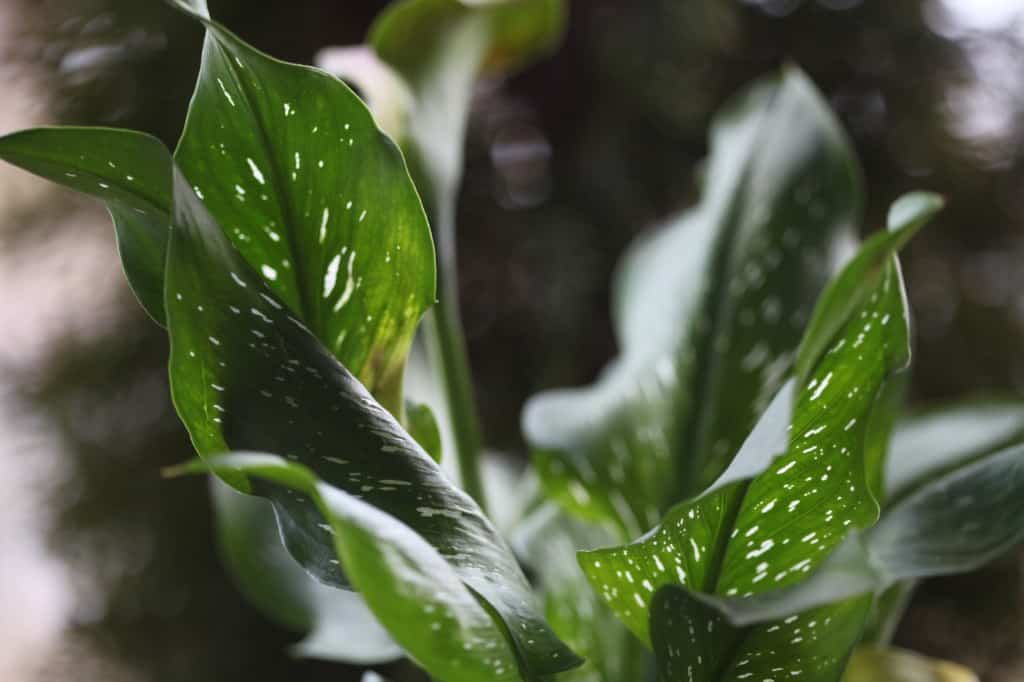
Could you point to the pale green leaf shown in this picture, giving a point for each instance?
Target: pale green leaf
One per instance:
(937, 440)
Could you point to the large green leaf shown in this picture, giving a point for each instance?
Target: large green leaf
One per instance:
(317, 199)
(426, 605)
(246, 374)
(130, 172)
(337, 623)
(708, 313)
(774, 517)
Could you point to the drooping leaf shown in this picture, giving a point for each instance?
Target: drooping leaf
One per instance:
(415, 592)
(953, 523)
(337, 623)
(247, 374)
(796, 488)
(874, 664)
(130, 172)
(939, 440)
(316, 198)
(708, 313)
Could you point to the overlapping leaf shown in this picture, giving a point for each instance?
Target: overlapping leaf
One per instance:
(130, 172)
(772, 518)
(325, 256)
(708, 313)
(247, 374)
(317, 199)
(424, 602)
(953, 523)
(746, 537)
(337, 623)
(693, 643)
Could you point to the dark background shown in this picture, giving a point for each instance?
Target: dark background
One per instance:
(566, 163)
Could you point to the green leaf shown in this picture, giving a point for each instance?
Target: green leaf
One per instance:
(337, 623)
(795, 489)
(415, 592)
(847, 293)
(708, 313)
(873, 664)
(420, 422)
(956, 522)
(246, 374)
(519, 31)
(130, 172)
(693, 642)
(317, 199)
(941, 439)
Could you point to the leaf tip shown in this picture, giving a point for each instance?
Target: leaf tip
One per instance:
(913, 210)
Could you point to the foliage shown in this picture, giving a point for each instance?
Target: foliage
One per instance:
(729, 482)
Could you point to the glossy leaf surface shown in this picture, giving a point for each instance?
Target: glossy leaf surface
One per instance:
(247, 374)
(955, 522)
(858, 279)
(317, 199)
(763, 535)
(413, 590)
(337, 623)
(708, 313)
(130, 172)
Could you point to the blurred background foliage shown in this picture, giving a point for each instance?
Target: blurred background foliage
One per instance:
(109, 573)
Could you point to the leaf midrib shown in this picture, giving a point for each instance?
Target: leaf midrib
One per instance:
(276, 175)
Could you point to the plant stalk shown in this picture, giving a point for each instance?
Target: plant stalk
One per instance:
(446, 344)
